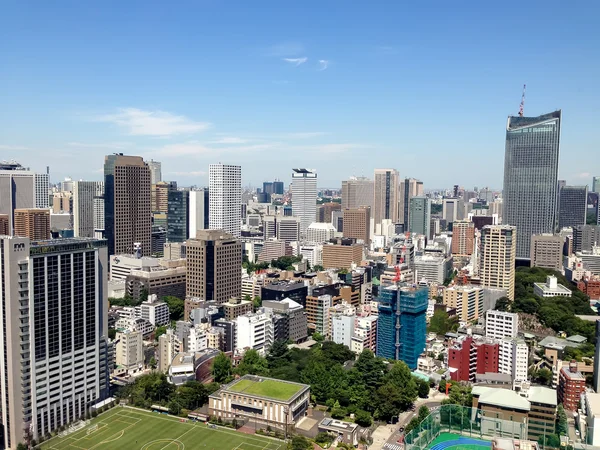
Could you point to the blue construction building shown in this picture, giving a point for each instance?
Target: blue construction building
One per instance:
(402, 323)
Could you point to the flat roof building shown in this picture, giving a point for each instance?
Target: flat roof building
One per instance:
(546, 251)
(551, 288)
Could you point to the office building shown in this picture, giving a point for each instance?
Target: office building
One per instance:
(198, 211)
(54, 339)
(225, 198)
(572, 206)
(497, 257)
(342, 328)
(160, 195)
(84, 193)
(365, 334)
(342, 256)
(401, 325)
(317, 233)
(463, 238)
(357, 192)
(304, 197)
(283, 228)
(546, 251)
(236, 307)
(273, 249)
(99, 211)
(585, 237)
(453, 209)
(129, 351)
(337, 220)
(32, 223)
(214, 261)
(159, 281)
(280, 290)
(357, 224)
(467, 300)
(254, 331)
(155, 171)
(409, 188)
(178, 216)
(385, 200)
(531, 177)
(591, 414)
(154, 311)
(420, 216)
(278, 187)
(62, 202)
(325, 211)
(501, 324)
(168, 346)
(4, 225)
(596, 185)
(571, 384)
(432, 268)
(127, 215)
(294, 318)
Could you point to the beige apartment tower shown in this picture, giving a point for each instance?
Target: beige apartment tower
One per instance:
(337, 256)
(214, 266)
(33, 223)
(546, 251)
(463, 238)
(468, 301)
(497, 257)
(127, 213)
(385, 202)
(356, 192)
(357, 224)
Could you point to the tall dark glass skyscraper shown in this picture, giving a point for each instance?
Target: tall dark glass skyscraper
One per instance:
(572, 206)
(178, 216)
(531, 176)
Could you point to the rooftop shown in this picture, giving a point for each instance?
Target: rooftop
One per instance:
(502, 398)
(553, 342)
(266, 387)
(593, 400)
(541, 394)
(573, 375)
(337, 425)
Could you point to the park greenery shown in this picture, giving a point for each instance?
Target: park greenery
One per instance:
(282, 263)
(440, 323)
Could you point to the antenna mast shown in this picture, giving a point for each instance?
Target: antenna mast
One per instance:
(522, 106)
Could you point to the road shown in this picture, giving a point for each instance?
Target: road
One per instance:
(389, 434)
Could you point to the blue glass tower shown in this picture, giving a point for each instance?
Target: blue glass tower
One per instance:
(402, 325)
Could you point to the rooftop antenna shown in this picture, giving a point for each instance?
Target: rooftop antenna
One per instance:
(522, 106)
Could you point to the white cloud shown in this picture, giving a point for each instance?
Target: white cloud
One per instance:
(195, 148)
(305, 134)
(323, 64)
(584, 175)
(12, 147)
(296, 61)
(336, 148)
(107, 145)
(229, 140)
(138, 122)
(285, 49)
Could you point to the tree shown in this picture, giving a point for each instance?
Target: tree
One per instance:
(544, 376)
(252, 363)
(323, 438)
(414, 423)
(552, 441)
(112, 333)
(423, 413)
(191, 395)
(257, 302)
(503, 304)
(174, 408)
(160, 331)
(176, 307)
(318, 268)
(153, 363)
(222, 369)
(318, 337)
(423, 388)
(363, 418)
(336, 352)
(21, 446)
(459, 395)
(562, 427)
(441, 323)
(300, 443)
(371, 368)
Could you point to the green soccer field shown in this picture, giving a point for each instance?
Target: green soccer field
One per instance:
(126, 428)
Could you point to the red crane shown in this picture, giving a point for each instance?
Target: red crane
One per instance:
(522, 106)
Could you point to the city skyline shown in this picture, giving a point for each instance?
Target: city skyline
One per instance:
(274, 85)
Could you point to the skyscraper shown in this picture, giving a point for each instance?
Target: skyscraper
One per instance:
(546, 251)
(304, 197)
(497, 257)
(409, 188)
(225, 199)
(420, 216)
(99, 210)
(21, 188)
(596, 185)
(357, 224)
(385, 201)
(278, 187)
(357, 192)
(84, 193)
(463, 238)
(32, 223)
(214, 262)
(127, 214)
(155, 171)
(54, 363)
(572, 206)
(198, 214)
(531, 176)
(178, 216)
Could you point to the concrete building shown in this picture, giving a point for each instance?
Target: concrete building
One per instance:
(160, 281)
(571, 384)
(168, 346)
(385, 202)
(296, 325)
(84, 193)
(357, 224)
(514, 358)
(54, 338)
(155, 171)
(127, 212)
(409, 188)
(129, 352)
(340, 256)
(273, 249)
(585, 238)
(551, 288)
(342, 328)
(236, 307)
(159, 194)
(420, 216)
(317, 233)
(198, 211)
(304, 197)
(357, 192)
(591, 411)
(469, 356)
(4, 225)
(530, 194)
(501, 324)
(121, 266)
(467, 300)
(99, 222)
(214, 260)
(280, 290)
(596, 380)
(283, 228)
(365, 334)
(254, 331)
(453, 209)
(32, 223)
(497, 257)
(325, 211)
(572, 204)
(154, 311)
(225, 198)
(546, 251)
(432, 268)
(463, 238)
(248, 397)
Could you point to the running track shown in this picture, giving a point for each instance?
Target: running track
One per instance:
(460, 441)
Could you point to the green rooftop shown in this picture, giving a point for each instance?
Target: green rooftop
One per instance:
(266, 387)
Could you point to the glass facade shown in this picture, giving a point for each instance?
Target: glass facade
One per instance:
(178, 216)
(531, 176)
(402, 324)
(572, 206)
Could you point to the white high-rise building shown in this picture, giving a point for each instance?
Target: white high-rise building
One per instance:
(155, 171)
(501, 324)
(99, 210)
(53, 345)
(84, 195)
(198, 211)
(254, 330)
(225, 199)
(304, 197)
(513, 358)
(319, 232)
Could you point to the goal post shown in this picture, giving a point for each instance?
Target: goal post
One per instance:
(91, 429)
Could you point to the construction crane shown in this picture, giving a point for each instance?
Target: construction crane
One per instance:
(522, 106)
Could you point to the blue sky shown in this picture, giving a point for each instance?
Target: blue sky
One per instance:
(342, 87)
